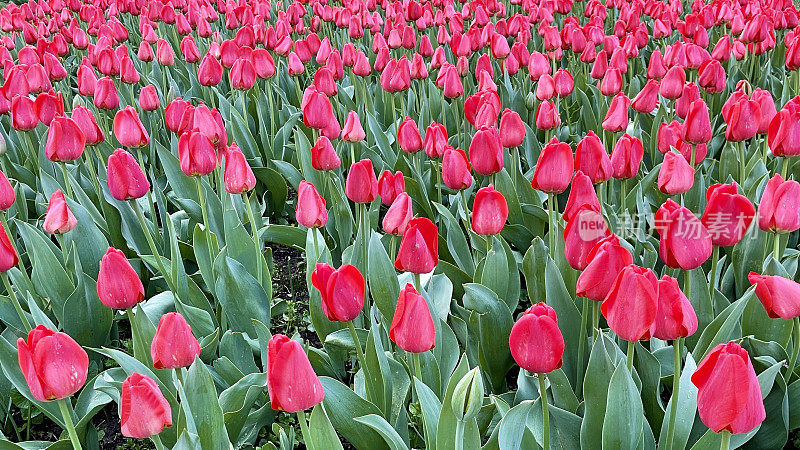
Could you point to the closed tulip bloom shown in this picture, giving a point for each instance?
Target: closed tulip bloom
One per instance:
(7, 195)
(59, 218)
(419, 248)
(343, 296)
(669, 134)
(611, 84)
(685, 242)
(554, 167)
(23, 114)
(412, 326)
(399, 214)
(535, 341)
(143, 410)
(390, 186)
(317, 109)
(125, 178)
(581, 193)
(456, 169)
(616, 118)
(584, 230)
(105, 94)
(547, 116)
(310, 211)
(626, 157)
(592, 159)
(361, 185)
(564, 84)
(118, 285)
(243, 74)
(173, 113)
(209, 72)
(8, 255)
(486, 152)
(435, 140)
(352, 130)
(646, 101)
(783, 134)
(728, 214)
(489, 211)
(631, 305)
(148, 98)
(697, 126)
(238, 175)
(675, 176)
(48, 105)
(408, 136)
(197, 154)
(778, 211)
(605, 261)
(129, 130)
(711, 76)
(512, 129)
(675, 317)
(780, 296)
(53, 364)
(742, 118)
(65, 140)
(673, 82)
(767, 106)
(174, 346)
(728, 392)
(323, 155)
(291, 382)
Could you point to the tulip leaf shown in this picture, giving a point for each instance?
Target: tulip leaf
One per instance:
(514, 433)
(383, 285)
(322, 434)
(237, 401)
(240, 295)
(491, 321)
(284, 235)
(431, 408)
(564, 426)
(723, 327)
(342, 405)
(86, 319)
(389, 434)
(48, 274)
(569, 317)
(445, 436)
(202, 399)
(595, 391)
(624, 418)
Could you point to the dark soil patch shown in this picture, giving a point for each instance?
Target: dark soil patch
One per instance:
(289, 285)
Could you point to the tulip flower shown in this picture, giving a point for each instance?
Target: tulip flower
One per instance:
(554, 168)
(675, 317)
(59, 218)
(292, 384)
(616, 118)
(242, 74)
(412, 327)
(419, 248)
(361, 185)
(173, 113)
(53, 364)
(399, 214)
(435, 140)
(317, 109)
(87, 123)
(310, 210)
(129, 130)
(646, 100)
(697, 126)
(626, 157)
(742, 118)
(341, 291)
(105, 94)
(632, 303)
(779, 295)
(586, 228)
(125, 178)
(7, 194)
(767, 106)
(456, 169)
(675, 176)
(352, 131)
(143, 410)
(489, 211)
(65, 140)
(390, 186)
(535, 340)
(605, 261)
(685, 242)
(196, 153)
(48, 105)
(728, 214)
(486, 152)
(148, 98)
(547, 116)
(673, 82)
(783, 134)
(323, 155)
(23, 114)
(592, 159)
(8, 254)
(118, 285)
(581, 193)
(209, 72)
(512, 129)
(778, 211)
(174, 346)
(408, 136)
(729, 395)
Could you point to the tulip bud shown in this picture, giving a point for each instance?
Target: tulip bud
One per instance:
(118, 285)
(489, 211)
(399, 214)
(697, 126)
(512, 130)
(323, 155)
(586, 228)
(408, 136)
(238, 175)
(626, 157)
(685, 242)
(8, 255)
(65, 140)
(581, 193)
(419, 248)
(143, 410)
(675, 176)
(105, 94)
(780, 296)
(361, 185)
(412, 326)
(125, 178)
(728, 214)
(547, 116)
(59, 218)
(777, 211)
(196, 153)
(209, 73)
(632, 303)
(174, 346)
(292, 384)
(456, 169)
(53, 364)
(675, 317)
(783, 131)
(673, 83)
(605, 261)
(537, 324)
(485, 151)
(310, 210)
(616, 118)
(128, 128)
(592, 159)
(435, 140)
(390, 186)
(554, 168)
(148, 98)
(352, 131)
(7, 195)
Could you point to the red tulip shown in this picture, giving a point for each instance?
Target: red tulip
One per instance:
(412, 326)
(743, 118)
(564, 84)
(8, 255)
(291, 382)
(310, 210)
(174, 346)
(685, 242)
(173, 113)
(767, 106)
(697, 126)
(780, 296)
(711, 76)
(675, 176)
(390, 186)
(361, 185)
(341, 291)
(209, 73)
(143, 410)
(148, 98)
(547, 116)
(48, 105)
(783, 134)
(554, 167)
(581, 193)
(23, 114)
(408, 136)
(456, 169)
(591, 158)
(535, 340)
(485, 151)
(675, 317)
(778, 211)
(419, 248)
(323, 155)
(435, 140)
(238, 175)
(352, 131)
(729, 395)
(196, 153)
(611, 83)
(632, 303)
(489, 211)
(512, 129)
(59, 218)
(626, 157)
(399, 214)
(105, 94)
(7, 194)
(605, 261)
(53, 364)
(317, 109)
(616, 118)
(646, 100)
(125, 178)
(673, 82)
(728, 214)
(243, 74)
(118, 285)
(129, 130)
(585, 229)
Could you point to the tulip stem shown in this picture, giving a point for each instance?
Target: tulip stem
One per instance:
(552, 232)
(67, 415)
(595, 321)
(66, 179)
(785, 167)
(459, 438)
(582, 345)
(301, 417)
(418, 282)
(545, 412)
(742, 164)
(629, 359)
(725, 444)
(157, 441)
(15, 301)
(776, 252)
(795, 347)
(714, 263)
(357, 343)
(153, 248)
(257, 242)
(202, 196)
(676, 383)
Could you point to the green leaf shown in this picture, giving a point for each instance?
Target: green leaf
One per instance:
(687, 408)
(342, 405)
(491, 321)
(383, 285)
(723, 327)
(85, 318)
(240, 295)
(431, 408)
(569, 317)
(202, 399)
(624, 418)
(595, 392)
(445, 436)
(389, 434)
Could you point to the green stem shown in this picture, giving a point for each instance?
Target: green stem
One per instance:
(15, 301)
(202, 196)
(301, 417)
(256, 242)
(582, 344)
(552, 231)
(459, 440)
(157, 441)
(795, 347)
(67, 415)
(365, 252)
(725, 444)
(488, 245)
(687, 284)
(545, 412)
(785, 167)
(153, 248)
(66, 179)
(357, 343)
(418, 282)
(676, 383)
(714, 262)
(742, 164)
(776, 252)
(629, 358)
(595, 321)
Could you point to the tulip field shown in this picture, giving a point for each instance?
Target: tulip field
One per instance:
(399, 224)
